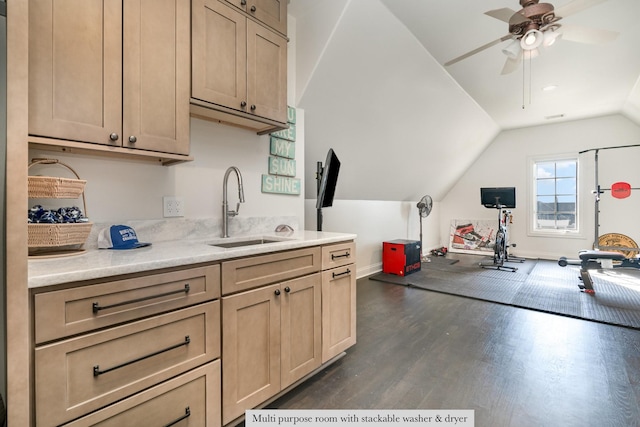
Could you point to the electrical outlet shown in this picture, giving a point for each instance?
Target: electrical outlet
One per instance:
(172, 206)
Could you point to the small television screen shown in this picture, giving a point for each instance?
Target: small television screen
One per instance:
(328, 180)
(493, 197)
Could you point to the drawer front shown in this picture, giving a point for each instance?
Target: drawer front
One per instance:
(338, 255)
(79, 375)
(192, 398)
(246, 273)
(72, 311)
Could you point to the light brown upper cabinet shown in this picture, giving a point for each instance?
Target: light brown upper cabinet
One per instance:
(239, 66)
(270, 12)
(111, 72)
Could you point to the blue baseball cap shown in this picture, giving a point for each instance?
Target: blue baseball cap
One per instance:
(119, 237)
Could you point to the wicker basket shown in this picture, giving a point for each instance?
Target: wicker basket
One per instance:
(57, 235)
(55, 187)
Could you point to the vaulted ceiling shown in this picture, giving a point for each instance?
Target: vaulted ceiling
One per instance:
(372, 81)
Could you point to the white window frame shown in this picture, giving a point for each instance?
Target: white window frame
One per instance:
(532, 205)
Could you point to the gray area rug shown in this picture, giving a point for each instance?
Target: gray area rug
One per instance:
(537, 284)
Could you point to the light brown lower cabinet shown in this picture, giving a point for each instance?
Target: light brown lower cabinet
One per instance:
(192, 346)
(271, 338)
(339, 311)
(192, 399)
(82, 374)
(338, 299)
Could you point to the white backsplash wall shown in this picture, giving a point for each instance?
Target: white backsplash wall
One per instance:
(118, 190)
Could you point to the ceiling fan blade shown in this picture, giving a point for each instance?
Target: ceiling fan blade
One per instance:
(576, 6)
(511, 64)
(505, 14)
(477, 50)
(576, 33)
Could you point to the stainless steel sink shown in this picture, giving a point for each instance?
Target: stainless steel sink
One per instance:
(242, 243)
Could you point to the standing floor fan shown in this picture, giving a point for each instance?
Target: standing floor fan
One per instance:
(424, 209)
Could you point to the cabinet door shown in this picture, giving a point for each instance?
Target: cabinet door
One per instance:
(250, 350)
(75, 69)
(338, 311)
(156, 75)
(266, 73)
(270, 12)
(301, 327)
(219, 60)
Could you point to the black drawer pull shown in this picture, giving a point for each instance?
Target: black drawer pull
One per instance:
(97, 307)
(344, 255)
(341, 274)
(97, 371)
(187, 414)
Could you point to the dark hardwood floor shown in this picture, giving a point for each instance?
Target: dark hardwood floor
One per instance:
(515, 367)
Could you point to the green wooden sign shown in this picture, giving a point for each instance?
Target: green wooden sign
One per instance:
(288, 134)
(280, 185)
(282, 148)
(280, 166)
(291, 115)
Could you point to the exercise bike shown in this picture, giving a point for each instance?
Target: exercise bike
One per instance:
(501, 247)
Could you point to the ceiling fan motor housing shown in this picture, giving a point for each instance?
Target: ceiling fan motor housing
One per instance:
(532, 16)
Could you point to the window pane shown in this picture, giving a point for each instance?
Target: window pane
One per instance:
(545, 170)
(556, 197)
(566, 169)
(546, 187)
(566, 186)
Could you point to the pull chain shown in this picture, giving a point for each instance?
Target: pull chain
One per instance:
(524, 63)
(526, 55)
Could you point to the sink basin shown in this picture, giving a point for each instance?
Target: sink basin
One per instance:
(242, 243)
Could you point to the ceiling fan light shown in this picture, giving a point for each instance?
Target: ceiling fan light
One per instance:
(550, 37)
(512, 50)
(531, 40)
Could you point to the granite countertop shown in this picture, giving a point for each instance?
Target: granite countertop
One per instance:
(96, 263)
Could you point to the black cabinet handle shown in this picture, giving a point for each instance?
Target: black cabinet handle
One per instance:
(277, 292)
(243, 104)
(243, 2)
(97, 307)
(187, 414)
(287, 289)
(253, 107)
(341, 274)
(253, 8)
(98, 372)
(344, 255)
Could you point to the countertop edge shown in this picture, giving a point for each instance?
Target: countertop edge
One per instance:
(103, 263)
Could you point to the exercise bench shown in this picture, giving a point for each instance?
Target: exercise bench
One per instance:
(598, 260)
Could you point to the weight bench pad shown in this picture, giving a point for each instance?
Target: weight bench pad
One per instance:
(587, 255)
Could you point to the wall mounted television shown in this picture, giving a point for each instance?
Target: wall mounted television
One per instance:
(328, 176)
(494, 197)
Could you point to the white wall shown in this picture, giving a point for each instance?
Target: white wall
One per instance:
(120, 190)
(505, 163)
(375, 222)
(400, 125)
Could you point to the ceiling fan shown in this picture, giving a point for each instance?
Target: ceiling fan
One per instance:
(537, 24)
